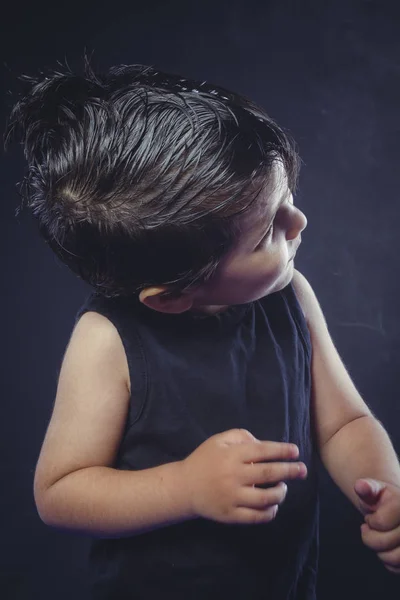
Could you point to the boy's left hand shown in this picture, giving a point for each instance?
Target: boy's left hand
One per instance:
(380, 505)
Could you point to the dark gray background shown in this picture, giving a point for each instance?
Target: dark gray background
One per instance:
(330, 73)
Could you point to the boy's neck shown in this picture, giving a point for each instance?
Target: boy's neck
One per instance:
(210, 309)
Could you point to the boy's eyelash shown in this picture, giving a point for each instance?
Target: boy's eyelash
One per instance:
(266, 236)
(268, 232)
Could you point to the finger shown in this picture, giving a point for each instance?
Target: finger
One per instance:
(380, 541)
(393, 570)
(368, 490)
(263, 451)
(260, 473)
(385, 518)
(236, 436)
(249, 516)
(262, 499)
(390, 559)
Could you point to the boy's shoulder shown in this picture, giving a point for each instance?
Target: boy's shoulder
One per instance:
(97, 328)
(304, 293)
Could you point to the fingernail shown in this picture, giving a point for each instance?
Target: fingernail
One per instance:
(303, 470)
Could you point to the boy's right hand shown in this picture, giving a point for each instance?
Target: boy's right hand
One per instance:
(219, 477)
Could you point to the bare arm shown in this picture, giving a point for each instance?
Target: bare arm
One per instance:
(76, 486)
(352, 442)
(107, 502)
(360, 449)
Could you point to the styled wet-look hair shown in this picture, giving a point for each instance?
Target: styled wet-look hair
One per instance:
(139, 177)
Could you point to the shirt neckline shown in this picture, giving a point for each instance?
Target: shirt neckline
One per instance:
(193, 319)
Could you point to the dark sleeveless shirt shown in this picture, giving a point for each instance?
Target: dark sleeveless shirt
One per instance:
(191, 377)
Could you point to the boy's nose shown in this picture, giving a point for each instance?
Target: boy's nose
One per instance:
(299, 223)
(303, 220)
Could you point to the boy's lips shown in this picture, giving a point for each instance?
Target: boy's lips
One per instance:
(294, 253)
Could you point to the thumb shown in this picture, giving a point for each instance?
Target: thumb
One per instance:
(368, 490)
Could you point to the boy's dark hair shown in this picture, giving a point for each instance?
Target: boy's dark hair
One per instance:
(137, 177)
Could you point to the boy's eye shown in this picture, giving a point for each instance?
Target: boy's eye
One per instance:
(270, 230)
(266, 236)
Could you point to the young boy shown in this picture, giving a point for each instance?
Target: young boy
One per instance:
(200, 383)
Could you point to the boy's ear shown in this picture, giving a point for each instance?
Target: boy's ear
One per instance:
(158, 298)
